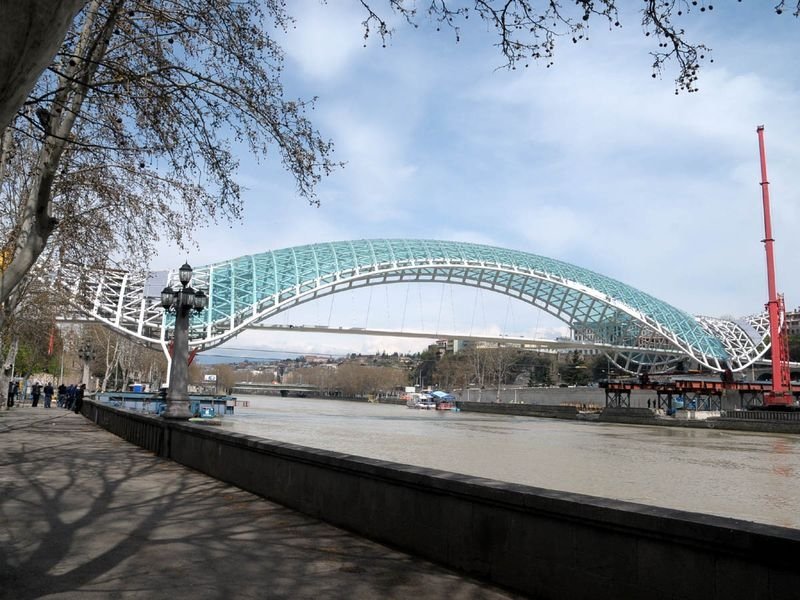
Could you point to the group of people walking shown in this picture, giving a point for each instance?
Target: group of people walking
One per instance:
(69, 397)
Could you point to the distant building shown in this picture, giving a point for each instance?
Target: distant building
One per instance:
(316, 360)
(793, 321)
(453, 346)
(459, 345)
(645, 338)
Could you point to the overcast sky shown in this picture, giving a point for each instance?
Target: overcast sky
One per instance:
(591, 161)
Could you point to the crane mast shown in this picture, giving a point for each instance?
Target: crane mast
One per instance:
(781, 392)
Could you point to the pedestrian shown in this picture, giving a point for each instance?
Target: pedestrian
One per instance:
(48, 394)
(36, 393)
(79, 398)
(12, 393)
(62, 395)
(71, 390)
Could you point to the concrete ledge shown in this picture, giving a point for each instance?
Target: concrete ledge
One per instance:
(646, 416)
(772, 416)
(525, 410)
(755, 425)
(543, 543)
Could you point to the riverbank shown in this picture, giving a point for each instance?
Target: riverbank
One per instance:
(541, 542)
(756, 421)
(576, 409)
(696, 470)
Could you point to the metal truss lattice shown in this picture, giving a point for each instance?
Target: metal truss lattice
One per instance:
(247, 290)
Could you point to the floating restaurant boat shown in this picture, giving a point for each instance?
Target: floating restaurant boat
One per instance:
(421, 401)
(444, 401)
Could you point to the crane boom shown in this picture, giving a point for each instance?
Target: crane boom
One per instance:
(781, 393)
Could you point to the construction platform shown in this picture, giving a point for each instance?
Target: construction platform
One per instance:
(692, 393)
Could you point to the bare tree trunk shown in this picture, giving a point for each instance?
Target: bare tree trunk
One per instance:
(5, 373)
(479, 367)
(112, 359)
(31, 32)
(37, 222)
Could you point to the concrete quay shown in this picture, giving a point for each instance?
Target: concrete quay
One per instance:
(84, 514)
(544, 543)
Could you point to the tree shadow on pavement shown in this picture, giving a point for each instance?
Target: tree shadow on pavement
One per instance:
(84, 514)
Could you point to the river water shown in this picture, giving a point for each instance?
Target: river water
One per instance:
(750, 476)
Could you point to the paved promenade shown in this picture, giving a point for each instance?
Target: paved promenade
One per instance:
(86, 515)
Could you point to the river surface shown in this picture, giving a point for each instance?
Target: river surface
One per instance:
(750, 476)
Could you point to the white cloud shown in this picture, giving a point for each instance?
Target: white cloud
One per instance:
(657, 190)
(591, 161)
(324, 41)
(377, 168)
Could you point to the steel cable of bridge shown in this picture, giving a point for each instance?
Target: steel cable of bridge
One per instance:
(474, 310)
(388, 311)
(421, 309)
(483, 309)
(439, 316)
(452, 307)
(505, 319)
(369, 306)
(405, 306)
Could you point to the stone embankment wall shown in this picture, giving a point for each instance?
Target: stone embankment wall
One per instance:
(524, 410)
(543, 543)
(532, 395)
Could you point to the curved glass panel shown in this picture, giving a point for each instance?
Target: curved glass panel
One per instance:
(243, 288)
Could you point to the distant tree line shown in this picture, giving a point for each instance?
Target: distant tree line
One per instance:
(351, 379)
(501, 366)
(112, 361)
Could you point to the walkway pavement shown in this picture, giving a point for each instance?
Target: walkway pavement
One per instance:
(86, 515)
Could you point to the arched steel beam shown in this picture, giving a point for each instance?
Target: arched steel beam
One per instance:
(250, 289)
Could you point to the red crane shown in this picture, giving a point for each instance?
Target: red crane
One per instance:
(781, 392)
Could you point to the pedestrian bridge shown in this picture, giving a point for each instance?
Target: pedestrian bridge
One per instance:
(637, 328)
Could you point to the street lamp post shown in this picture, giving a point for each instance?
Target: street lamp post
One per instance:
(86, 354)
(182, 302)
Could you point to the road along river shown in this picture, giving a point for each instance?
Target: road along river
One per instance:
(750, 476)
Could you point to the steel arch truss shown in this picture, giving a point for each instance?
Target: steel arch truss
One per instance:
(745, 340)
(250, 289)
(640, 361)
(118, 299)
